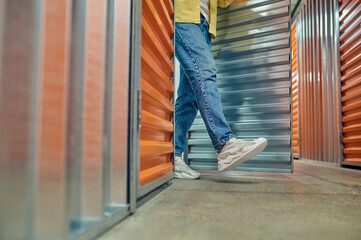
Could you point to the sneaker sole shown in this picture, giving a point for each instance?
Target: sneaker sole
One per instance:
(257, 149)
(184, 176)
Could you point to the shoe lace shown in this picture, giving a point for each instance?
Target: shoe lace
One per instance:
(180, 162)
(246, 143)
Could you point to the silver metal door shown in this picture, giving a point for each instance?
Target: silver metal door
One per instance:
(252, 51)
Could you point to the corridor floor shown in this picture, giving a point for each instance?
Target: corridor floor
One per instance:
(315, 202)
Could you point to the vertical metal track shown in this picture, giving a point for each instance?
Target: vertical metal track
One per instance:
(134, 89)
(75, 115)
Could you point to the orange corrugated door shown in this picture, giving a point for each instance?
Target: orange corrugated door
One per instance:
(350, 53)
(294, 93)
(156, 146)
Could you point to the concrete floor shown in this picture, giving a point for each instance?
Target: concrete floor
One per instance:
(315, 202)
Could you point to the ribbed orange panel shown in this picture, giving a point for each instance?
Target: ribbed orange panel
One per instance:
(156, 148)
(318, 82)
(350, 53)
(294, 92)
(93, 114)
(51, 162)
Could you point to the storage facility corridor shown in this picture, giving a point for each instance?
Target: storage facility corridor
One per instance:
(315, 202)
(87, 121)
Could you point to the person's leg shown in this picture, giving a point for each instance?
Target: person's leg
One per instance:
(185, 112)
(192, 48)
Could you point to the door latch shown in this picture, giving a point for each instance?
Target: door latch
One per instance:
(139, 108)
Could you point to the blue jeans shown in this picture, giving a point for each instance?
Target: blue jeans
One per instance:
(198, 86)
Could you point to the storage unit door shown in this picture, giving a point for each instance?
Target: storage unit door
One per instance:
(252, 51)
(156, 148)
(350, 53)
(295, 127)
(319, 84)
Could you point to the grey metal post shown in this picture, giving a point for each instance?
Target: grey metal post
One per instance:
(134, 125)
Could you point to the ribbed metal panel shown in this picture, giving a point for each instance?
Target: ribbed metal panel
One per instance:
(252, 51)
(295, 125)
(64, 118)
(350, 50)
(157, 88)
(51, 171)
(319, 85)
(19, 95)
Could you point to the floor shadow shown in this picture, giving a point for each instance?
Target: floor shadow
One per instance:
(229, 180)
(141, 201)
(233, 181)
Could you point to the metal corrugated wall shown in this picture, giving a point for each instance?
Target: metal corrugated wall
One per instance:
(252, 51)
(51, 179)
(63, 117)
(350, 50)
(319, 86)
(156, 148)
(295, 126)
(20, 66)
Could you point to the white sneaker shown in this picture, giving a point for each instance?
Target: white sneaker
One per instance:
(182, 170)
(237, 151)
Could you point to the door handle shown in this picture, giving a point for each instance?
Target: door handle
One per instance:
(139, 108)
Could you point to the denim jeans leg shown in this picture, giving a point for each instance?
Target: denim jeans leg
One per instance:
(192, 49)
(185, 112)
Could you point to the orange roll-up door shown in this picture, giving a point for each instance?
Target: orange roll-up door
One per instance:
(350, 53)
(156, 146)
(294, 92)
